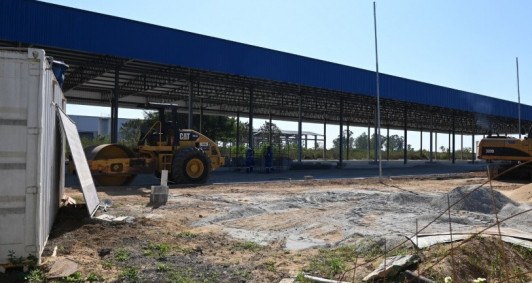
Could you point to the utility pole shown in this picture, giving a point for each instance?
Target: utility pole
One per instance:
(378, 134)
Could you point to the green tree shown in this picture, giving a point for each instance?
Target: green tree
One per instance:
(217, 128)
(264, 133)
(130, 132)
(351, 142)
(396, 143)
(361, 142)
(382, 141)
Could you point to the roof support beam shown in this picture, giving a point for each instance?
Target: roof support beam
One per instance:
(341, 144)
(300, 129)
(114, 108)
(91, 70)
(250, 123)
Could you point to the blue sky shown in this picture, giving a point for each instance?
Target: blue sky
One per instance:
(468, 45)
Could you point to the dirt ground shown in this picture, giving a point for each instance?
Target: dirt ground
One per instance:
(264, 232)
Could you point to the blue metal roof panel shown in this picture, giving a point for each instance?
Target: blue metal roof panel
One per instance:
(52, 25)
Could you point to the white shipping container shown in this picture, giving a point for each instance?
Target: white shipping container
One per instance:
(31, 152)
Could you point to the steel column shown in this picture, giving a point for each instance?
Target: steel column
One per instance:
(341, 145)
(377, 146)
(324, 139)
(348, 137)
(473, 148)
(431, 145)
(436, 145)
(462, 145)
(405, 150)
(388, 143)
(175, 128)
(300, 129)
(114, 108)
(201, 116)
(454, 140)
(421, 144)
(450, 145)
(270, 130)
(237, 134)
(369, 140)
(190, 106)
(251, 110)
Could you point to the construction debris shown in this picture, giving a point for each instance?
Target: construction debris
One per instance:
(392, 266)
(62, 268)
(111, 218)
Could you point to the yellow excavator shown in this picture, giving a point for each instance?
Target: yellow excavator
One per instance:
(504, 152)
(188, 155)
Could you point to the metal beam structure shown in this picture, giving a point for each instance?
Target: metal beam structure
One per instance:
(114, 107)
(251, 114)
(300, 129)
(405, 148)
(161, 68)
(341, 143)
(324, 139)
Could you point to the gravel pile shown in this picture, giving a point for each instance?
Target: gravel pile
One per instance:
(478, 201)
(404, 198)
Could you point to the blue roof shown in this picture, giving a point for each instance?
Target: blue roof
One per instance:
(68, 28)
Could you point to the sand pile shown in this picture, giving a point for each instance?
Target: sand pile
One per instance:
(480, 200)
(522, 194)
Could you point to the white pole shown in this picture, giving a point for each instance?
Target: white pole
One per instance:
(378, 93)
(518, 96)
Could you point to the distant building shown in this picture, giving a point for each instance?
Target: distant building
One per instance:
(92, 126)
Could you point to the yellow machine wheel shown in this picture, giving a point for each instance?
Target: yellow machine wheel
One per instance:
(195, 168)
(191, 165)
(110, 151)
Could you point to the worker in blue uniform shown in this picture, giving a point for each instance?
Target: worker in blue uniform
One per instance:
(268, 159)
(250, 160)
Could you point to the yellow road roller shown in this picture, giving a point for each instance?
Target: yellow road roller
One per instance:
(188, 155)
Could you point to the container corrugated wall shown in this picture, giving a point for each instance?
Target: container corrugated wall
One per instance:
(31, 152)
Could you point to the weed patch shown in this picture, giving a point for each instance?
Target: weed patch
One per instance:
(186, 235)
(130, 273)
(248, 246)
(158, 249)
(122, 255)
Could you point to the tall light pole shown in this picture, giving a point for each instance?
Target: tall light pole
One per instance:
(518, 97)
(378, 145)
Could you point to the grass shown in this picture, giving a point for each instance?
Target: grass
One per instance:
(330, 263)
(246, 274)
(270, 265)
(248, 246)
(161, 267)
(107, 264)
(158, 249)
(35, 275)
(75, 277)
(130, 273)
(186, 235)
(122, 255)
(181, 276)
(92, 277)
(301, 278)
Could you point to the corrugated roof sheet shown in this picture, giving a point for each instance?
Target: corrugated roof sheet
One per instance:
(57, 26)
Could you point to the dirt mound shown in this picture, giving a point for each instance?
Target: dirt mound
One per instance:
(477, 200)
(408, 198)
(522, 194)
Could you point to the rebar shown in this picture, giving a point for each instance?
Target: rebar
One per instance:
(451, 235)
(443, 212)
